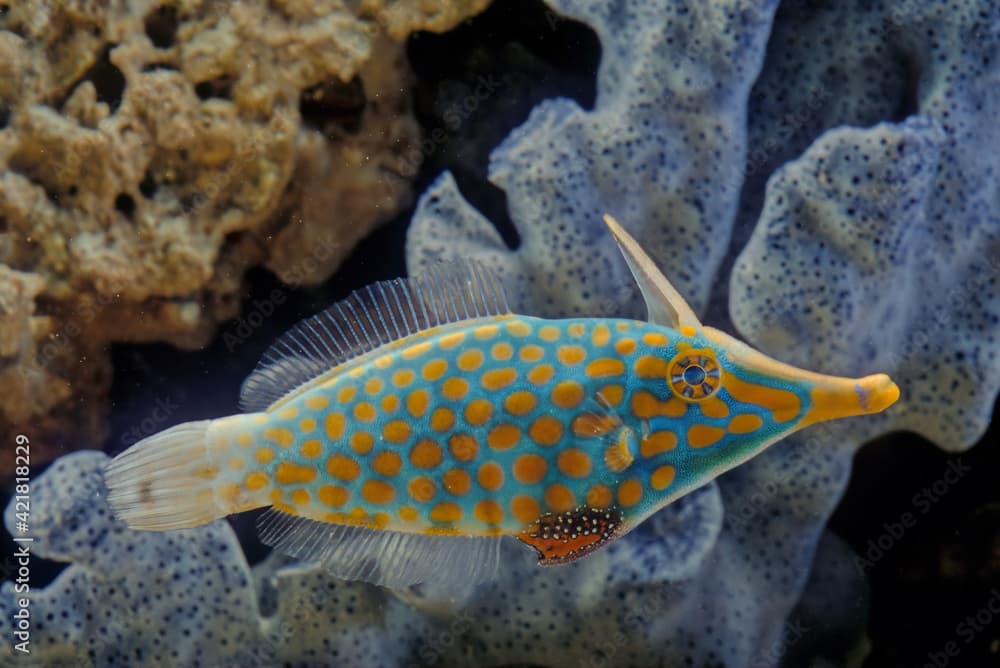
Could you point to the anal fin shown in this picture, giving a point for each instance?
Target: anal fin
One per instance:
(388, 558)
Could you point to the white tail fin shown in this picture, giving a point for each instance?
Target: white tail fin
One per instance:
(165, 481)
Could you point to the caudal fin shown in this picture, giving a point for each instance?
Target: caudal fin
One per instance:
(165, 481)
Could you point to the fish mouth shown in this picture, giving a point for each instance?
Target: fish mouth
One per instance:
(834, 397)
(876, 393)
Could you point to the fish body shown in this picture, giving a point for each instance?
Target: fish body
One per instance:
(422, 447)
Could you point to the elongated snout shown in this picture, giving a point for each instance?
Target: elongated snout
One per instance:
(834, 397)
(831, 397)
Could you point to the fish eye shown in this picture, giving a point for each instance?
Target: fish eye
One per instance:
(694, 375)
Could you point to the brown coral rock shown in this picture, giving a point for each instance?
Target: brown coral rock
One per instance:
(148, 159)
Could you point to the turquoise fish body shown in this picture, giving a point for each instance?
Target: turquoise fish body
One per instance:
(398, 435)
(481, 427)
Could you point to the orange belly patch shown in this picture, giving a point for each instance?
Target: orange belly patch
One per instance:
(563, 537)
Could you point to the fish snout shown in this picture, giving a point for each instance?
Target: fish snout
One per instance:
(876, 393)
(834, 397)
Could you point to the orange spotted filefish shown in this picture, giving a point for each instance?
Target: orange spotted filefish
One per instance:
(400, 435)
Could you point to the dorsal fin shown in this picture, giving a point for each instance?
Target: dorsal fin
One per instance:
(371, 317)
(665, 305)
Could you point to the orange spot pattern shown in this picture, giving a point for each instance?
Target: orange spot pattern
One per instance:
(702, 436)
(396, 431)
(611, 395)
(530, 468)
(378, 492)
(518, 328)
(426, 454)
(446, 512)
(599, 496)
(784, 405)
(463, 447)
(497, 379)
(574, 463)
(744, 424)
(650, 366)
(714, 407)
(317, 402)
(567, 394)
(333, 495)
(403, 377)
(662, 477)
(657, 442)
(455, 388)
(478, 411)
(604, 367)
(629, 492)
(520, 403)
(334, 424)
(546, 430)
(312, 449)
(362, 442)
(290, 473)
(502, 351)
(364, 411)
(549, 333)
(624, 346)
(571, 355)
(417, 402)
(422, 489)
(442, 419)
(541, 374)
(470, 360)
(559, 498)
(456, 481)
(343, 467)
(490, 476)
(601, 335)
(434, 369)
(488, 511)
(554, 473)
(645, 405)
(531, 353)
(525, 508)
(387, 463)
(453, 340)
(504, 436)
